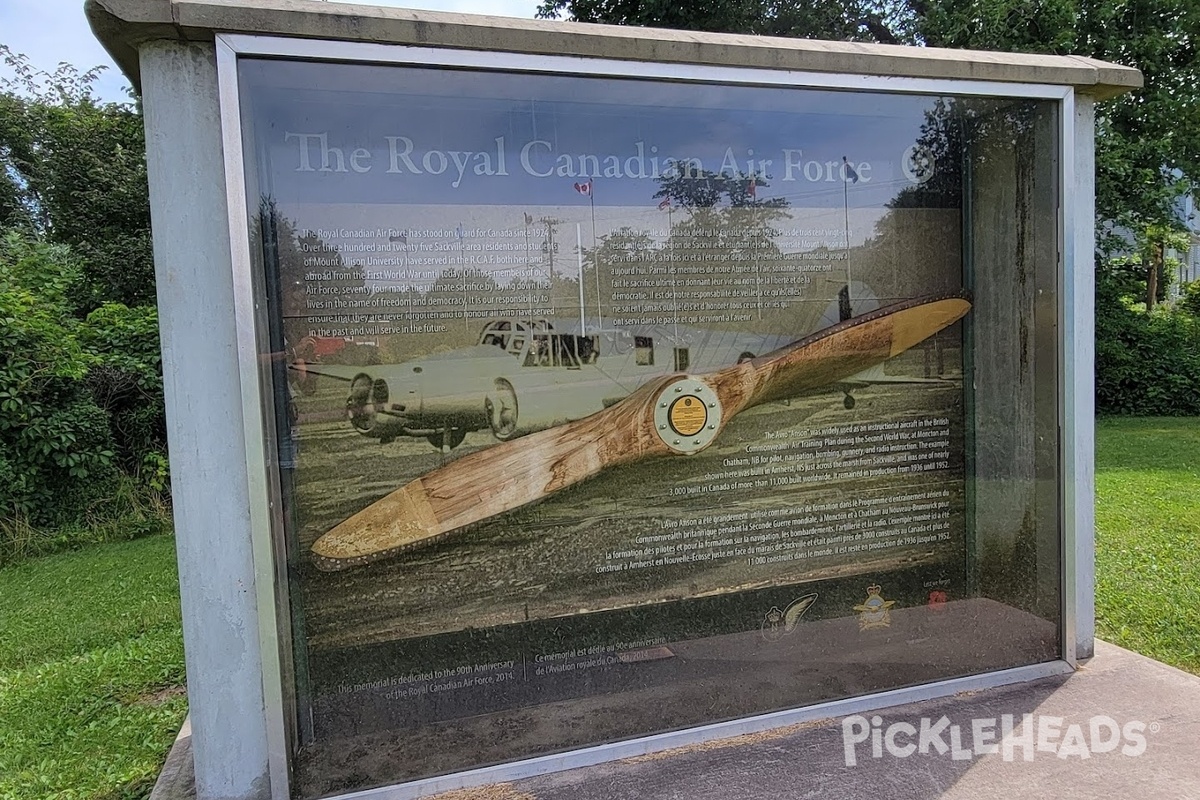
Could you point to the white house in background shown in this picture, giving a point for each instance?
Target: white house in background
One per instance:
(1188, 269)
(1189, 261)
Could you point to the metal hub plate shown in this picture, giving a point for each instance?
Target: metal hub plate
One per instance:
(687, 415)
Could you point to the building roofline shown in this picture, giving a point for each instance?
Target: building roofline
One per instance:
(122, 26)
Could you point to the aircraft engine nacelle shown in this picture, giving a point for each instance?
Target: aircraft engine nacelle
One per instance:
(517, 406)
(369, 411)
(418, 402)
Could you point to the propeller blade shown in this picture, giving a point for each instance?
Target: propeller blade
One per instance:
(674, 414)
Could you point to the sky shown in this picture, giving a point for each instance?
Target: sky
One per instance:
(54, 31)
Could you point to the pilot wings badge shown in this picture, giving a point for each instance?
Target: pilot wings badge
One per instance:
(778, 624)
(874, 612)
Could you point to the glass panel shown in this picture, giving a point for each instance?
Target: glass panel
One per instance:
(510, 529)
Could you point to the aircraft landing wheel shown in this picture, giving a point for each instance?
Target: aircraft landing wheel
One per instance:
(849, 402)
(450, 438)
(501, 408)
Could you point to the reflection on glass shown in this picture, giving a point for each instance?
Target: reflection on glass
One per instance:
(510, 528)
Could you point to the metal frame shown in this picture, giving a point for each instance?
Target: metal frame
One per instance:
(1068, 394)
(1074, 312)
(1077, 430)
(267, 586)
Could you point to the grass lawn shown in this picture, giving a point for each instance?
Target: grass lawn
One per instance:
(1148, 537)
(91, 661)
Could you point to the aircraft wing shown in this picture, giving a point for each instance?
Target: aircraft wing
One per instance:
(341, 372)
(876, 375)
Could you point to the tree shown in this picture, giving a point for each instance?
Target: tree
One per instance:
(856, 20)
(73, 171)
(1148, 142)
(82, 431)
(1144, 271)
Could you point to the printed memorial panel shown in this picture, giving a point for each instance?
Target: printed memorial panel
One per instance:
(603, 407)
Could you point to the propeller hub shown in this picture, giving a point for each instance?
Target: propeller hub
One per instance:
(687, 415)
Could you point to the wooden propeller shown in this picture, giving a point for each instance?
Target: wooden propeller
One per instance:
(676, 414)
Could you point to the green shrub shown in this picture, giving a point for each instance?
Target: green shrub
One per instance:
(1146, 364)
(125, 378)
(1189, 298)
(82, 443)
(56, 447)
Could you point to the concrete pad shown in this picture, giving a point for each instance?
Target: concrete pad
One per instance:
(1149, 699)
(808, 761)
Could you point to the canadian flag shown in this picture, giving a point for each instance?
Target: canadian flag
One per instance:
(752, 189)
(665, 204)
(584, 189)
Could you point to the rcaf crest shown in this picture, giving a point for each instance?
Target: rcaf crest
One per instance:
(778, 624)
(874, 612)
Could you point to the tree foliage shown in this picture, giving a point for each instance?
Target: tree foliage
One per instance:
(55, 438)
(856, 20)
(80, 399)
(1148, 143)
(1147, 364)
(82, 431)
(72, 170)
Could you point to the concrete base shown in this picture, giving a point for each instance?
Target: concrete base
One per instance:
(178, 777)
(810, 760)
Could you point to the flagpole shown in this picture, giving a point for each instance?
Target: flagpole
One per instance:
(671, 253)
(549, 244)
(596, 249)
(846, 221)
(403, 240)
(462, 268)
(579, 250)
(753, 249)
(528, 267)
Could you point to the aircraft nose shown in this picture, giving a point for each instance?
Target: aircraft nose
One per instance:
(368, 397)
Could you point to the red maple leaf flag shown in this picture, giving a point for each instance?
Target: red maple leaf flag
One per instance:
(752, 189)
(584, 189)
(665, 204)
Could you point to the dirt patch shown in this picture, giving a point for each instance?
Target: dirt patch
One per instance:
(160, 697)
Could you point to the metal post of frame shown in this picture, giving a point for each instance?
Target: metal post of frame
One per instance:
(203, 387)
(1078, 422)
(970, 420)
(271, 572)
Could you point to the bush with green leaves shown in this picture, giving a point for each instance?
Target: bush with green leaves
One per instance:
(1146, 364)
(1189, 298)
(125, 379)
(57, 449)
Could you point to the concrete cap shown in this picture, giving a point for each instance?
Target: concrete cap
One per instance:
(123, 25)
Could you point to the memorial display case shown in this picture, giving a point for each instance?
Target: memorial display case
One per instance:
(544, 394)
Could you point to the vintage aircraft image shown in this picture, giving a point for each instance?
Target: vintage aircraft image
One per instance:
(672, 412)
(526, 375)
